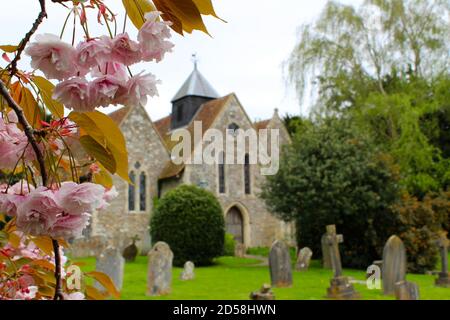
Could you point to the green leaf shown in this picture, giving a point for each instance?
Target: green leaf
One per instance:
(46, 89)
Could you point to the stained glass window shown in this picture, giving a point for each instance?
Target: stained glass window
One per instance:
(132, 192)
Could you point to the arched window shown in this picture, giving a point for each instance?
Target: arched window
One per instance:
(221, 168)
(232, 129)
(132, 192)
(142, 192)
(247, 174)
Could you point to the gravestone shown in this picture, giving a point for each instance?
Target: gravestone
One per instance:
(264, 294)
(188, 271)
(159, 276)
(111, 262)
(240, 250)
(340, 286)
(405, 290)
(326, 261)
(394, 264)
(443, 279)
(131, 251)
(303, 259)
(280, 265)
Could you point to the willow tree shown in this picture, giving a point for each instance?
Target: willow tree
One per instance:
(383, 64)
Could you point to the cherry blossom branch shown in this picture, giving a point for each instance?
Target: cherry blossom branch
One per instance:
(23, 43)
(29, 132)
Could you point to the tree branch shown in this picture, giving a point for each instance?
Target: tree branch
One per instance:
(24, 42)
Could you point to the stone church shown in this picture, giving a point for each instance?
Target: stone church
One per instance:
(152, 172)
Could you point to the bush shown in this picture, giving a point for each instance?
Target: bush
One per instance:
(230, 245)
(418, 225)
(191, 221)
(332, 175)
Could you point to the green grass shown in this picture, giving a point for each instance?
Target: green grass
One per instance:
(234, 278)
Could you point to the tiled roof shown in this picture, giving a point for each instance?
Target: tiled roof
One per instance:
(119, 114)
(262, 124)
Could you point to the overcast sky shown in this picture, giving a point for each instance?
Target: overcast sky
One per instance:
(244, 56)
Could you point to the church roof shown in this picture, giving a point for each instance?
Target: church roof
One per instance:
(119, 114)
(262, 124)
(196, 85)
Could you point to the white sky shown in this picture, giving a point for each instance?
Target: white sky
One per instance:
(244, 56)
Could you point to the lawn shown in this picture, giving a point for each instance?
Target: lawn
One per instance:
(234, 278)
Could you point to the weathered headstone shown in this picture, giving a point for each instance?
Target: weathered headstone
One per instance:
(405, 290)
(159, 277)
(264, 294)
(340, 286)
(303, 259)
(443, 279)
(240, 250)
(379, 264)
(326, 260)
(280, 265)
(188, 271)
(111, 262)
(394, 264)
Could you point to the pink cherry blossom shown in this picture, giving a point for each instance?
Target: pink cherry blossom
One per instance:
(152, 37)
(38, 212)
(74, 94)
(115, 69)
(55, 58)
(69, 225)
(79, 198)
(93, 52)
(11, 197)
(137, 89)
(103, 90)
(125, 50)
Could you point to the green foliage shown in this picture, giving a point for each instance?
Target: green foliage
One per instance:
(331, 175)
(230, 245)
(296, 124)
(418, 225)
(191, 221)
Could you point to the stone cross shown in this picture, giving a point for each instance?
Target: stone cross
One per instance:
(280, 265)
(159, 277)
(112, 264)
(326, 261)
(444, 279)
(394, 264)
(333, 241)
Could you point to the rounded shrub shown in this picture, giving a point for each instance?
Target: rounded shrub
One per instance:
(191, 221)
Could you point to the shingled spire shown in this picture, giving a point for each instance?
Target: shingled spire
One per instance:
(195, 91)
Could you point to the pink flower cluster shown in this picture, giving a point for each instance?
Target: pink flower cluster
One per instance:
(60, 213)
(106, 60)
(13, 143)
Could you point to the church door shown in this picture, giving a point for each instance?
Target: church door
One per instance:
(235, 224)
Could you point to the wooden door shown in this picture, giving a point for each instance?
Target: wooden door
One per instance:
(235, 224)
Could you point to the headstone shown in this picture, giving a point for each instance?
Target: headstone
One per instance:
(394, 264)
(111, 262)
(340, 286)
(146, 243)
(264, 294)
(240, 250)
(188, 271)
(303, 259)
(443, 279)
(405, 290)
(159, 277)
(379, 264)
(280, 265)
(130, 252)
(326, 260)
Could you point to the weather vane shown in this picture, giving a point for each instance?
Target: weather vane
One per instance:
(195, 60)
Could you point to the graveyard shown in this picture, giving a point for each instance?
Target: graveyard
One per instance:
(232, 278)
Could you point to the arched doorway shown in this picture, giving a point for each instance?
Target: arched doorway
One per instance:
(235, 224)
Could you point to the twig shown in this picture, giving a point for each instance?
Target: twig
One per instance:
(23, 43)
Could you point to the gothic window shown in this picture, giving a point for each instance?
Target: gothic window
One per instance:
(132, 192)
(233, 127)
(247, 174)
(142, 192)
(221, 168)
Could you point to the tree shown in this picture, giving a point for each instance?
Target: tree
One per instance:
(190, 206)
(58, 190)
(330, 175)
(384, 66)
